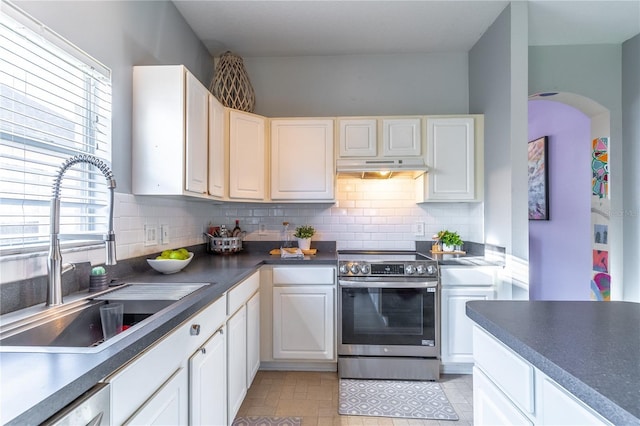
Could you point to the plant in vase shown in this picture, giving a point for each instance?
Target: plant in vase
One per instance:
(303, 234)
(450, 241)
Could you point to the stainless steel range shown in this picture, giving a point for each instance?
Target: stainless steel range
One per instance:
(388, 316)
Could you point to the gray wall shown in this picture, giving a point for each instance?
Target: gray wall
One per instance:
(631, 162)
(497, 88)
(121, 34)
(399, 84)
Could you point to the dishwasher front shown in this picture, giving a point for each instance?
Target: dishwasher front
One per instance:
(90, 409)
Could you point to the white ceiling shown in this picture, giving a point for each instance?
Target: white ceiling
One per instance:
(329, 27)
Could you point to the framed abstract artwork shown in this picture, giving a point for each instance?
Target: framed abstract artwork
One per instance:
(538, 179)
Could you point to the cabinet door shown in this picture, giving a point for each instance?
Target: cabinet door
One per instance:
(217, 149)
(457, 328)
(451, 159)
(401, 137)
(558, 407)
(491, 406)
(208, 382)
(253, 338)
(246, 156)
(303, 322)
(302, 160)
(196, 135)
(168, 406)
(236, 362)
(358, 137)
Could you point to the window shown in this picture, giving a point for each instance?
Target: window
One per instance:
(55, 102)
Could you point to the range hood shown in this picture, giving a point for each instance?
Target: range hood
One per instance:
(377, 168)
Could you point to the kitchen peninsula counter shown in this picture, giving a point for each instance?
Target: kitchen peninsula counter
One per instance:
(35, 385)
(592, 349)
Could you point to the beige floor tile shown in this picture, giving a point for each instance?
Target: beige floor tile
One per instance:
(314, 397)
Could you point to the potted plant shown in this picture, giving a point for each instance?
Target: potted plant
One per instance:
(303, 234)
(450, 240)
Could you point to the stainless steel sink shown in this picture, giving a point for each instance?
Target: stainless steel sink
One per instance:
(76, 326)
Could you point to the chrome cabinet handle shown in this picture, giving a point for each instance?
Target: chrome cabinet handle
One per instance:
(203, 350)
(195, 329)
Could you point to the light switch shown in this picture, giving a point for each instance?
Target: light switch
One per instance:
(164, 234)
(419, 229)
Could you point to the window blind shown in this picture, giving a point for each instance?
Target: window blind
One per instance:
(55, 102)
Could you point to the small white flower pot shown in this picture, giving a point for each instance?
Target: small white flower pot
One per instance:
(446, 247)
(304, 243)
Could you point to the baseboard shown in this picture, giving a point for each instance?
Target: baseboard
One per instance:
(457, 368)
(298, 366)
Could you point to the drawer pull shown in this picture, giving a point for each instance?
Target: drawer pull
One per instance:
(203, 350)
(195, 329)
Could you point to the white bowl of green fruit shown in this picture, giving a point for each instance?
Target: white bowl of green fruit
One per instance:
(171, 261)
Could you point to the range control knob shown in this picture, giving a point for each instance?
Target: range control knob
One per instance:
(431, 270)
(420, 269)
(409, 269)
(354, 268)
(344, 269)
(364, 268)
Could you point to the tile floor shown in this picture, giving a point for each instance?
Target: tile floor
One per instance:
(314, 397)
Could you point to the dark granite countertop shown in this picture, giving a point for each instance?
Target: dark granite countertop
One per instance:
(36, 385)
(590, 348)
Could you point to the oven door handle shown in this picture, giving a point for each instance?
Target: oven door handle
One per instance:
(387, 284)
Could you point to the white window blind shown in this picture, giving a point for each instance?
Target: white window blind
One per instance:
(55, 102)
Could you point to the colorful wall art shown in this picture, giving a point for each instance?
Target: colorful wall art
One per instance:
(600, 167)
(600, 218)
(538, 177)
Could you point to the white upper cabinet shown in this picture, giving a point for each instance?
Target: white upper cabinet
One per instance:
(246, 156)
(454, 158)
(358, 137)
(380, 137)
(218, 165)
(302, 160)
(169, 132)
(402, 137)
(196, 135)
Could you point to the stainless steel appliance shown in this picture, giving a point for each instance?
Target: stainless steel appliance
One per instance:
(388, 316)
(91, 409)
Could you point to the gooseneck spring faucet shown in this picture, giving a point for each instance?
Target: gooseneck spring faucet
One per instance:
(54, 262)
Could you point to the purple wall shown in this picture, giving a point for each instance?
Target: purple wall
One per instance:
(560, 255)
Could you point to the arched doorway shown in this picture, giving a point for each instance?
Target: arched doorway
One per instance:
(569, 253)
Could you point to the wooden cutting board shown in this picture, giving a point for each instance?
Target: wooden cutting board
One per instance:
(310, 251)
(448, 252)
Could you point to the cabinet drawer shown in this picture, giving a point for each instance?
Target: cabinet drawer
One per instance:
(467, 276)
(491, 406)
(239, 295)
(207, 321)
(507, 369)
(303, 275)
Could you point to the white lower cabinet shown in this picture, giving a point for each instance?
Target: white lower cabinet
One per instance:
(298, 318)
(253, 338)
(243, 341)
(168, 406)
(208, 382)
(303, 322)
(237, 361)
(507, 389)
(459, 286)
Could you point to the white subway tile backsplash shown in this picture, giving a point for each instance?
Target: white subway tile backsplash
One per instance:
(368, 214)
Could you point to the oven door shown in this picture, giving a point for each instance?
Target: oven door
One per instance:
(388, 318)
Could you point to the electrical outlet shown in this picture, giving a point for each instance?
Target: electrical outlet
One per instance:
(262, 229)
(164, 234)
(150, 235)
(419, 229)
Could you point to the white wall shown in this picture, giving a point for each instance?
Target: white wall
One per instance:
(631, 160)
